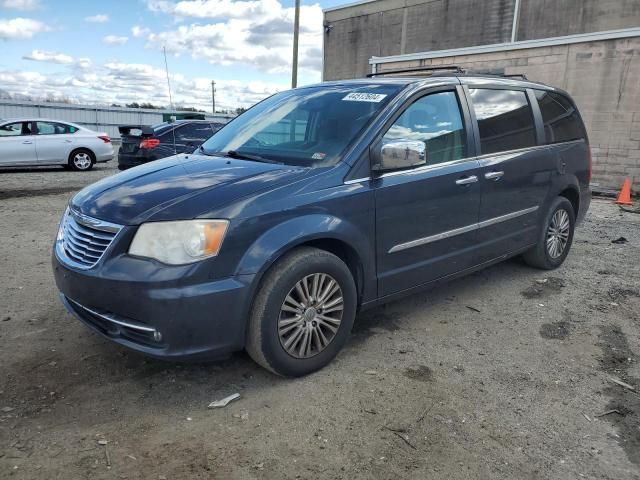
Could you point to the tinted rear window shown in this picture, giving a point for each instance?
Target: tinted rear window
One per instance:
(505, 119)
(561, 120)
(161, 128)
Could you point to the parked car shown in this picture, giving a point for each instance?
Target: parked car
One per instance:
(320, 202)
(142, 144)
(40, 141)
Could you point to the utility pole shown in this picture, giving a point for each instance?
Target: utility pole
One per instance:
(296, 31)
(213, 96)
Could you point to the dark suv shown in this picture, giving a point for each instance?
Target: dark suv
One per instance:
(320, 202)
(142, 144)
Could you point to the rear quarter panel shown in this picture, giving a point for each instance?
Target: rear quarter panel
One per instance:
(573, 172)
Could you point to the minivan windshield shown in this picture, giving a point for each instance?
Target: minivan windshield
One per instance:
(306, 127)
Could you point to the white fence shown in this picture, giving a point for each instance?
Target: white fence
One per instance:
(103, 119)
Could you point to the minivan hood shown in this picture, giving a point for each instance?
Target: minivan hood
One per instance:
(165, 189)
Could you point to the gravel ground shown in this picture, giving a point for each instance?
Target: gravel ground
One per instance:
(502, 374)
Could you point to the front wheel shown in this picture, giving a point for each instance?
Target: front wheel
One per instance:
(303, 313)
(82, 160)
(555, 238)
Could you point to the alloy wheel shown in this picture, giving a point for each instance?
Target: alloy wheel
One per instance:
(310, 315)
(82, 160)
(558, 233)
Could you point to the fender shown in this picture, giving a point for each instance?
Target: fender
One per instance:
(291, 233)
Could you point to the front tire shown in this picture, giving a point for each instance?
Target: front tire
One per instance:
(555, 238)
(303, 313)
(81, 160)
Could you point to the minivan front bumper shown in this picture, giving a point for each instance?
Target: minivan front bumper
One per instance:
(174, 318)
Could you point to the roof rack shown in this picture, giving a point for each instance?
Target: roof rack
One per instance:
(494, 73)
(425, 70)
(442, 70)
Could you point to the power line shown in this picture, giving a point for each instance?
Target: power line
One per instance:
(166, 68)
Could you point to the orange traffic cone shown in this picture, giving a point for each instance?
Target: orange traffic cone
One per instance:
(624, 198)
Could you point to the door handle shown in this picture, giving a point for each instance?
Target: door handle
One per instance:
(495, 176)
(27, 142)
(68, 141)
(467, 180)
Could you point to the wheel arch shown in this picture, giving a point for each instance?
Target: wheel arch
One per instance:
(324, 232)
(572, 194)
(344, 252)
(567, 186)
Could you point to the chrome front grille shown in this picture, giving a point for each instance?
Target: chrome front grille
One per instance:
(83, 240)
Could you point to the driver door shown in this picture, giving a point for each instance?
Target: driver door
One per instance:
(426, 215)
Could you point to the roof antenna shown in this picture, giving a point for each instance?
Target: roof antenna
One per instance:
(166, 68)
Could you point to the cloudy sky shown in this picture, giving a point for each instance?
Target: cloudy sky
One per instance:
(110, 51)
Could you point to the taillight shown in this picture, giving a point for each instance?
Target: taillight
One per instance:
(105, 138)
(149, 143)
(590, 167)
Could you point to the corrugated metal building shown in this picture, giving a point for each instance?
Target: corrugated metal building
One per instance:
(591, 48)
(104, 119)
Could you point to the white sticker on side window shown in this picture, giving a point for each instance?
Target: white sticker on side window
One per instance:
(364, 97)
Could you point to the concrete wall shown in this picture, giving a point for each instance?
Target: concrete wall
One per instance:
(557, 18)
(601, 76)
(394, 27)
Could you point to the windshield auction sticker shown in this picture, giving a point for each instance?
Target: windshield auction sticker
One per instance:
(364, 97)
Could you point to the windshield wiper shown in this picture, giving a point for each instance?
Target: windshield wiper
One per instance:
(248, 156)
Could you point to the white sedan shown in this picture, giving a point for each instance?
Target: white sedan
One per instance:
(31, 142)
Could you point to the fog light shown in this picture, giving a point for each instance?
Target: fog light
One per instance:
(157, 336)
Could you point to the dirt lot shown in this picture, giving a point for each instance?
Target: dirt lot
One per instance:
(500, 375)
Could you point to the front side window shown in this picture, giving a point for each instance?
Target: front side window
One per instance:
(505, 119)
(560, 117)
(50, 128)
(11, 130)
(309, 127)
(435, 120)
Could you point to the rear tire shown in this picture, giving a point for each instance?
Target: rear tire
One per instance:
(81, 160)
(303, 313)
(555, 237)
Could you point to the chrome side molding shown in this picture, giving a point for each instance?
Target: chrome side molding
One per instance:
(461, 230)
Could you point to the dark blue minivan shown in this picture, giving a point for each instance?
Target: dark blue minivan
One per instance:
(320, 202)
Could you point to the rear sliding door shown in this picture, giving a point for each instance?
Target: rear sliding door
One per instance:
(516, 168)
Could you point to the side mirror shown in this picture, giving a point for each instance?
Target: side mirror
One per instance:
(398, 154)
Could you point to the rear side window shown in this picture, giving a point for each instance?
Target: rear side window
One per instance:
(50, 128)
(560, 117)
(505, 119)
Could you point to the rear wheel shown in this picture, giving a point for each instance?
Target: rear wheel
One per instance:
(81, 159)
(555, 238)
(303, 313)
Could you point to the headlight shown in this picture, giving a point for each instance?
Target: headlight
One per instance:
(180, 242)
